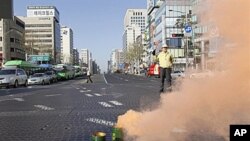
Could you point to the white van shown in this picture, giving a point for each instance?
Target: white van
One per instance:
(13, 77)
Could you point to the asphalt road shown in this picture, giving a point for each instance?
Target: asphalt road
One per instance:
(73, 110)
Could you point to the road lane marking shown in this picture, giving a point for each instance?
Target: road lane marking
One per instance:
(101, 121)
(89, 95)
(126, 79)
(18, 99)
(88, 90)
(97, 94)
(116, 103)
(84, 88)
(105, 79)
(53, 95)
(105, 104)
(43, 107)
(77, 88)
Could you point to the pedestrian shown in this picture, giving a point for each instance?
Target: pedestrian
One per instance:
(165, 60)
(89, 76)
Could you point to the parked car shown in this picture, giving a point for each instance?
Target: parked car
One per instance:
(153, 70)
(177, 74)
(202, 74)
(39, 78)
(13, 77)
(52, 75)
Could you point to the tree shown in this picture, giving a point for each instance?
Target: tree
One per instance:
(133, 54)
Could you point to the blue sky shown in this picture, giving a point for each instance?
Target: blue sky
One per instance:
(97, 24)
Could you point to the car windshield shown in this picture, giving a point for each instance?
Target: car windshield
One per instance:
(7, 72)
(37, 75)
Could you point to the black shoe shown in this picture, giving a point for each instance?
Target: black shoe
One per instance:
(161, 91)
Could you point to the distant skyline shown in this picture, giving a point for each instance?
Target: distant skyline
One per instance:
(97, 24)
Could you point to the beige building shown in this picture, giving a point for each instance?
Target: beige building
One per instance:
(11, 40)
(42, 31)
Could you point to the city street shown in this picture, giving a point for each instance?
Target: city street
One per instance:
(73, 110)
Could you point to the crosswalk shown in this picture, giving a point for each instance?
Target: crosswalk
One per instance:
(106, 104)
(94, 94)
(110, 104)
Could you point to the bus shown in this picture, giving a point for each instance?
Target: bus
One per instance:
(78, 71)
(64, 71)
(27, 66)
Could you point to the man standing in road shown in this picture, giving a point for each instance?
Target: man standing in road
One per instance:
(89, 76)
(165, 61)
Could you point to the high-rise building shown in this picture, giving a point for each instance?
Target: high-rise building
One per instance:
(42, 31)
(136, 17)
(206, 47)
(152, 8)
(66, 45)
(96, 69)
(75, 57)
(84, 57)
(11, 40)
(11, 34)
(90, 64)
(134, 25)
(109, 66)
(6, 9)
(117, 60)
(168, 30)
(130, 35)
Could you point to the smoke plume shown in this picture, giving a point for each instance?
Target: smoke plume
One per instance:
(203, 109)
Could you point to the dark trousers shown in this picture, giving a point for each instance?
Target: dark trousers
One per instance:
(165, 73)
(89, 79)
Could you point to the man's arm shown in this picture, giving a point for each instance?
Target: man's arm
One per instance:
(171, 59)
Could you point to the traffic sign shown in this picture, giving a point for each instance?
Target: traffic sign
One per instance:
(188, 29)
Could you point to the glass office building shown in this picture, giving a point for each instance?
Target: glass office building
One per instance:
(170, 20)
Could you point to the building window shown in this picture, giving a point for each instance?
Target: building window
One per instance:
(1, 48)
(1, 38)
(12, 50)
(12, 40)
(174, 42)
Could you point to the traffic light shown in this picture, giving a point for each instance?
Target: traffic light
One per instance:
(177, 35)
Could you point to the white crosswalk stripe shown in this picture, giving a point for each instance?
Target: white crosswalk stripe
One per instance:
(97, 94)
(116, 103)
(105, 104)
(43, 107)
(89, 95)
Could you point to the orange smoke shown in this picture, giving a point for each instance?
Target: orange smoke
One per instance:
(204, 108)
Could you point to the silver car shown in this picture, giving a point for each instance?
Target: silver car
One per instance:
(13, 77)
(177, 74)
(39, 78)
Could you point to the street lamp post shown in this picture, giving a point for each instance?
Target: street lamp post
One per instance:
(186, 22)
